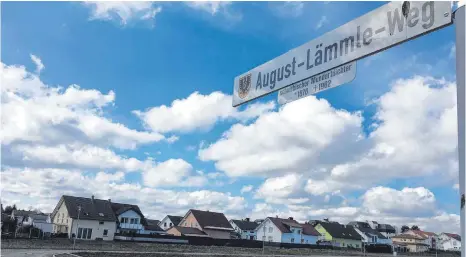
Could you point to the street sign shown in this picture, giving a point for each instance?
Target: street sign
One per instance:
(318, 83)
(385, 27)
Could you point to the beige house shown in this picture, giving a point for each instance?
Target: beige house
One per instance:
(213, 224)
(84, 218)
(409, 243)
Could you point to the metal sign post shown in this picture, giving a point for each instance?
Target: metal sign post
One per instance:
(460, 22)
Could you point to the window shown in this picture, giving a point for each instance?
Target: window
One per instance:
(101, 222)
(270, 239)
(292, 240)
(105, 232)
(124, 220)
(299, 231)
(165, 224)
(171, 224)
(136, 221)
(357, 246)
(80, 231)
(89, 233)
(302, 241)
(270, 229)
(131, 221)
(343, 244)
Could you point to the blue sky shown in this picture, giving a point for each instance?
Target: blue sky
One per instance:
(381, 147)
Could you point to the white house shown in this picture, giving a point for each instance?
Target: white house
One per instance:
(40, 221)
(286, 231)
(449, 242)
(130, 219)
(368, 234)
(84, 218)
(386, 230)
(20, 216)
(170, 221)
(246, 229)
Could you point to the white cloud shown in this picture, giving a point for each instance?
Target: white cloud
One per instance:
(211, 7)
(323, 20)
(38, 62)
(43, 188)
(301, 134)
(406, 202)
(107, 177)
(281, 189)
(287, 9)
(37, 113)
(198, 112)
(171, 173)
(246, 189)
(78, 156)
(415, 135)
(123, 11)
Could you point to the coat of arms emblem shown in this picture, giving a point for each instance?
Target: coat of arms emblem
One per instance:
(244, 86)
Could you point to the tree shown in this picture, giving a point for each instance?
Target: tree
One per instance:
(404, 228)
(9, 209)
(415, 227)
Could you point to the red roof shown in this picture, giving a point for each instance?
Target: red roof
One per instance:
(455, 236)
(423, 234)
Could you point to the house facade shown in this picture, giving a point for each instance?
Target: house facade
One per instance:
(20, 216)
(40, 221)
(410, 243)
(84, 218)
(169, 221)
(286, 231)
(186, 231)
(246, 229)
(386, 230)
(214, 224)
(449, 242)
(430, 238)
(339, 235)
(152, 227)
(368, 234)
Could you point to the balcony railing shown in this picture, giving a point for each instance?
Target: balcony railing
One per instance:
(130, 226)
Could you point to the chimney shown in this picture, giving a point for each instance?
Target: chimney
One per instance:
(109, 200)
(93, 198)
(290, 218)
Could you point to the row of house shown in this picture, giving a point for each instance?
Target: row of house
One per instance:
(97, 219)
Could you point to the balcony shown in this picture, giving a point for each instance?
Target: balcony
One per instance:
(130, 226)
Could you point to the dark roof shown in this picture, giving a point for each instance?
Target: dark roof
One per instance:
(386, 228)
(284, 224)
(455, 236)
(91, 209)
(340, 231)
(120, 208)
(211, 219)
(22, 213)
(38, 217)
(308, 229)
(189, 231)
(245, 225)
(152, 225)
(366, 229)
(175, 219)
